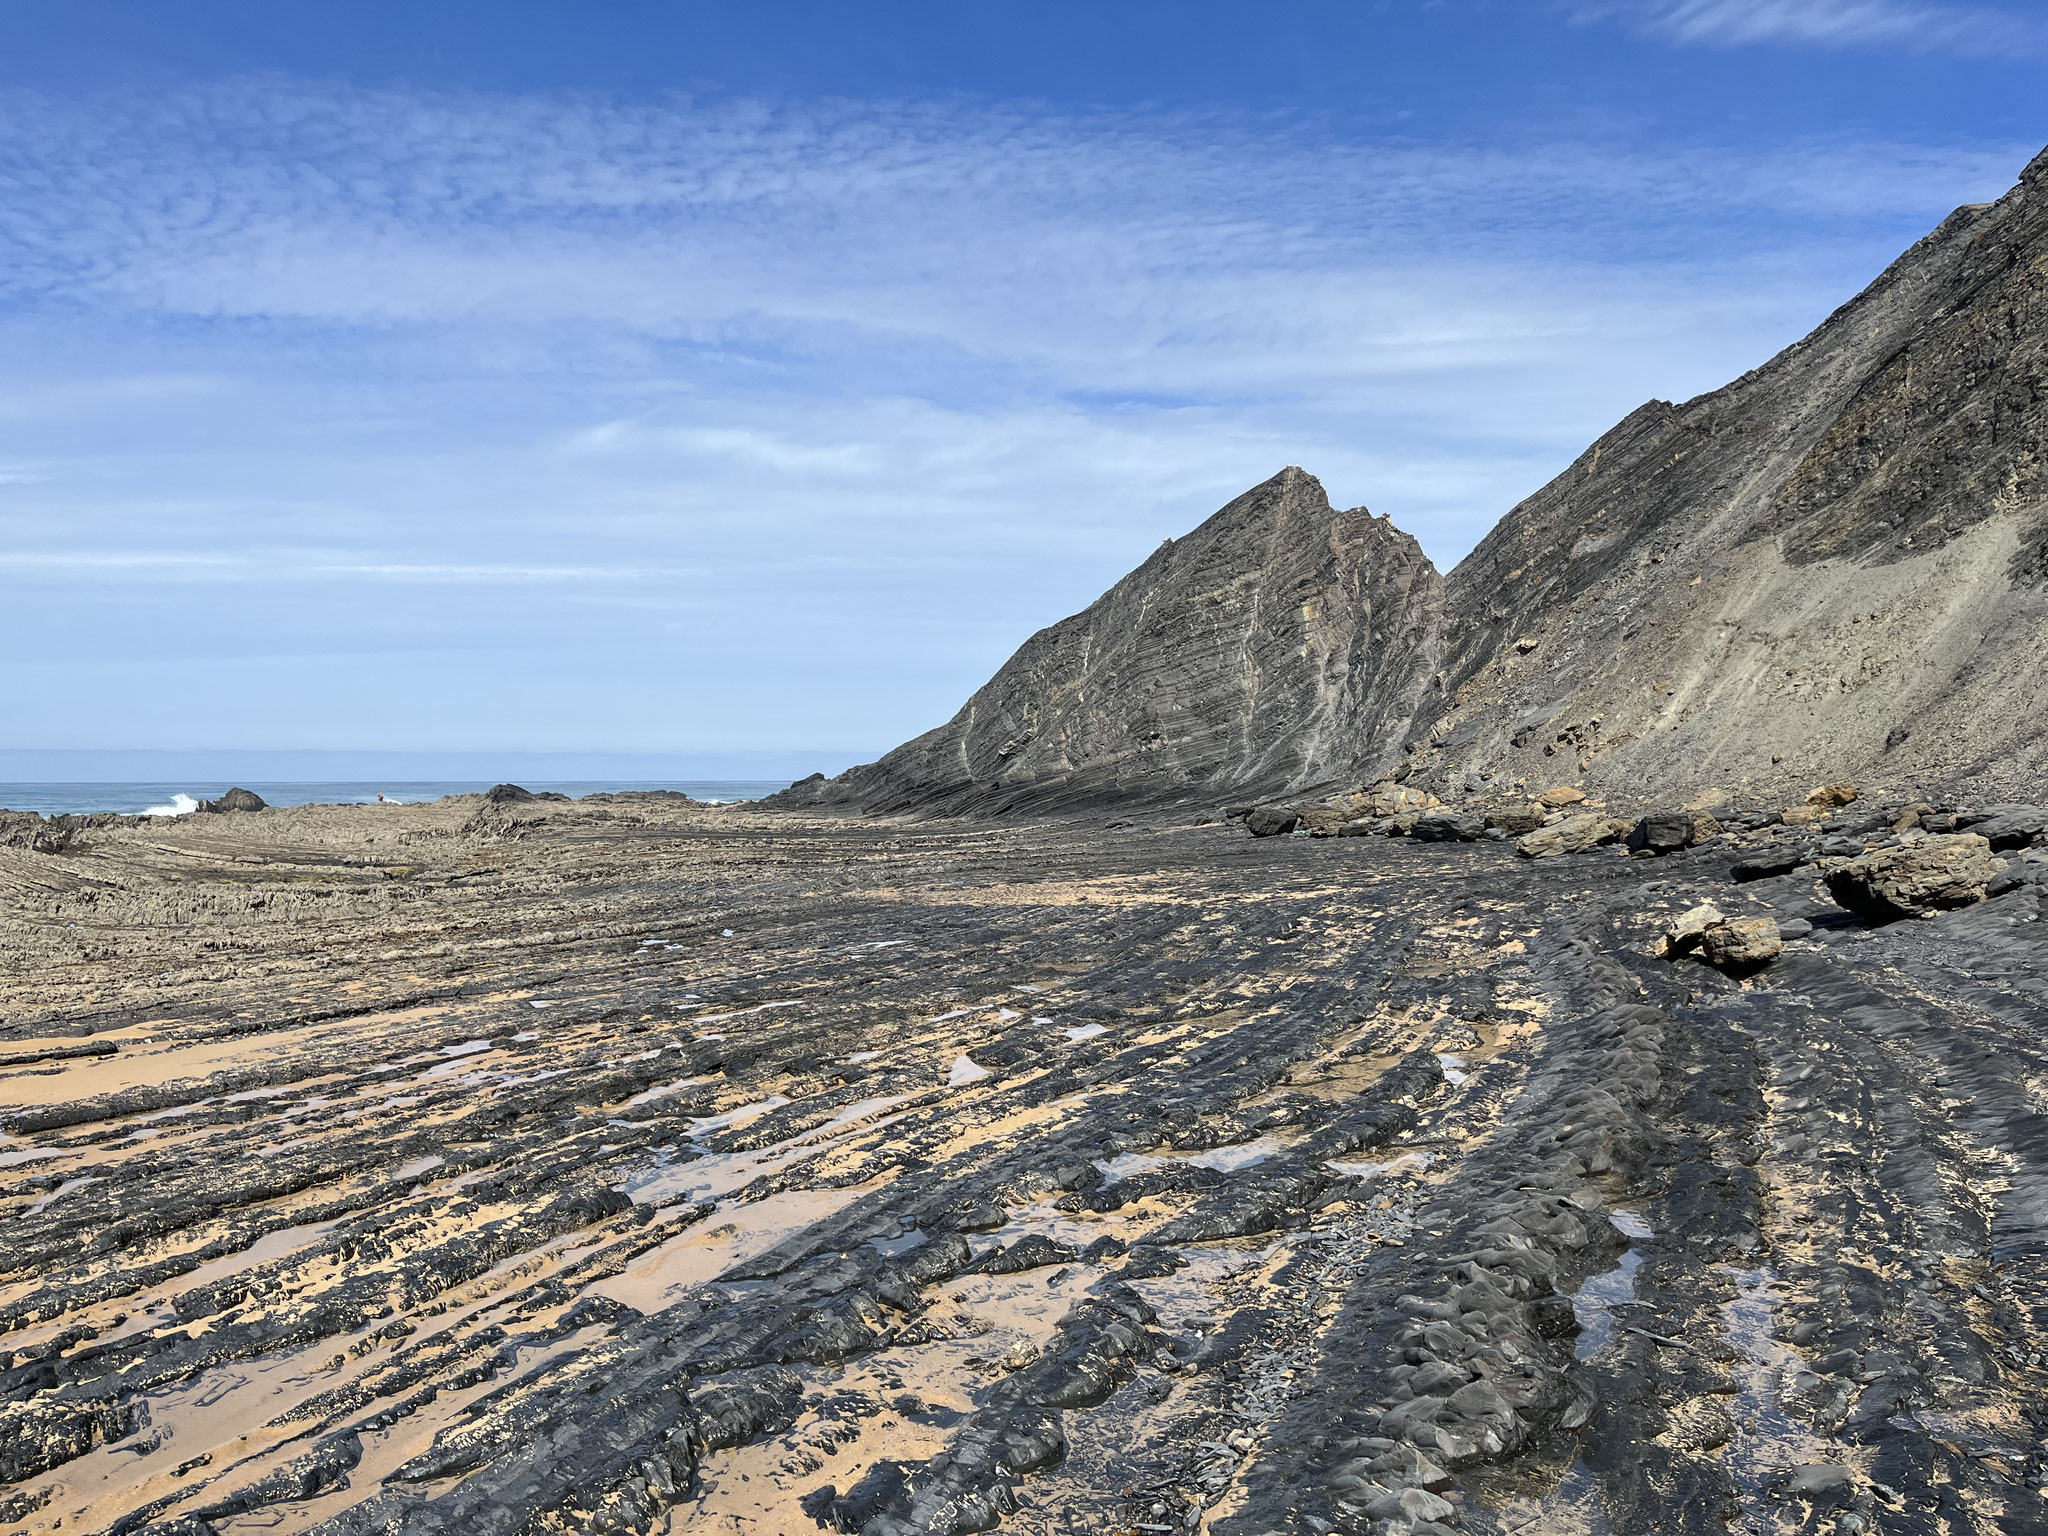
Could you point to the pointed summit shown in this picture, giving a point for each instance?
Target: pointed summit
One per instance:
(1278, 646)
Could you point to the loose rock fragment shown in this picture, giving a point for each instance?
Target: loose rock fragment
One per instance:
(1742, 944)
(1935, 874)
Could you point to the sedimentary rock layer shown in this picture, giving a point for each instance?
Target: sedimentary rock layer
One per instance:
(1280, 645)
(637, 1167)
(1833, 567)
(1837, 566)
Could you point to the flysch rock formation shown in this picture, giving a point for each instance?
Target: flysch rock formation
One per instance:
(1281, 645)
(1832, 567)
(638, 1167)
(1836, 566)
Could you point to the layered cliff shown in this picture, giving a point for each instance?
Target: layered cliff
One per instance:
(1835, 566)
(1832, 566)
(1281, 645)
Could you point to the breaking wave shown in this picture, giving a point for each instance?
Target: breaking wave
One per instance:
(181, 805)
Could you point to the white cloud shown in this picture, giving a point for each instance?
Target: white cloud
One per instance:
(1968, 31)
(814, 411)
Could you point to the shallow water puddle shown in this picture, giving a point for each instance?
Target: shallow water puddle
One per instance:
(1593, 1303)
(720, 1174)
(274, 1245)
(61, 1190)
(695, 1257)
(1243, 1154)
(740, 1013)
(664, 1090)
(1575, 1507)
(1766, 1442)
(31, 1155)
(1416, 1162)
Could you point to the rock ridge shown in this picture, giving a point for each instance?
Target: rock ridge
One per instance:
(1835, 566)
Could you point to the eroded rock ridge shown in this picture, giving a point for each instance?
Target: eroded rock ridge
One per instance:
(1833, 566)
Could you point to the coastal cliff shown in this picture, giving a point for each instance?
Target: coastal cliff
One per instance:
(1835, 566)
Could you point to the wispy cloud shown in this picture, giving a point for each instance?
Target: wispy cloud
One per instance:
(267, 566)
(808, 411)
(1967, 31)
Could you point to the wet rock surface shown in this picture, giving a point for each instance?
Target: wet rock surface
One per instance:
(629, 1165)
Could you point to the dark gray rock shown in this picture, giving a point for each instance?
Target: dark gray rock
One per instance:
(1779, 860)
(1271, 820)
(1033, 1251)
(234, 800)
(508, 794)
(1662, 832)
(1449, 827)
(2006, 827)
(2026, 872)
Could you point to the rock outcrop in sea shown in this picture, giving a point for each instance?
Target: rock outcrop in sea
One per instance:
(1834, 567)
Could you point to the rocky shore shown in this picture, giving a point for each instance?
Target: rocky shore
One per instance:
(508, 1165)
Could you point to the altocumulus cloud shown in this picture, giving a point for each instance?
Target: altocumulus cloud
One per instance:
(831, 402)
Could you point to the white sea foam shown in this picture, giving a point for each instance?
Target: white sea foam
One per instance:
(181, 805)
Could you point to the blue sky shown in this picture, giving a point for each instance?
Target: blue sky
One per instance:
(704, 379)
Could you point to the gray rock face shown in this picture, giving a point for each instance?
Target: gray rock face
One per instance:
(1836, 565)
(1837, 560)
(1282, 645)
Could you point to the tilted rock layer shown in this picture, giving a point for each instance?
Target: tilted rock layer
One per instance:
(1836, 565)
(1836, 561)
(1281, 644)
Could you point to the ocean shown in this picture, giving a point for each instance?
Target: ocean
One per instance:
(177, 799)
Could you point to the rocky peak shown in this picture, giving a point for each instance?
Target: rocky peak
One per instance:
(1282, 644)
(1835, 566)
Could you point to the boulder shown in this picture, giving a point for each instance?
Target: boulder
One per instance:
(1704, 828)
(1831, 796)
(1683, 936)
(1662, 832)
(234, 800)
(1403, 824)
(1516, 820)
(508, 794)
(1448, 827)
(1575, 834)
(1560, 797)
(1363, 827)
(1934, 874)
(1389, 799)
(1742, 943)
(1322, 820)
(1271, 820)
(1767, 862)
(1805, 815)
(2006, 827)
